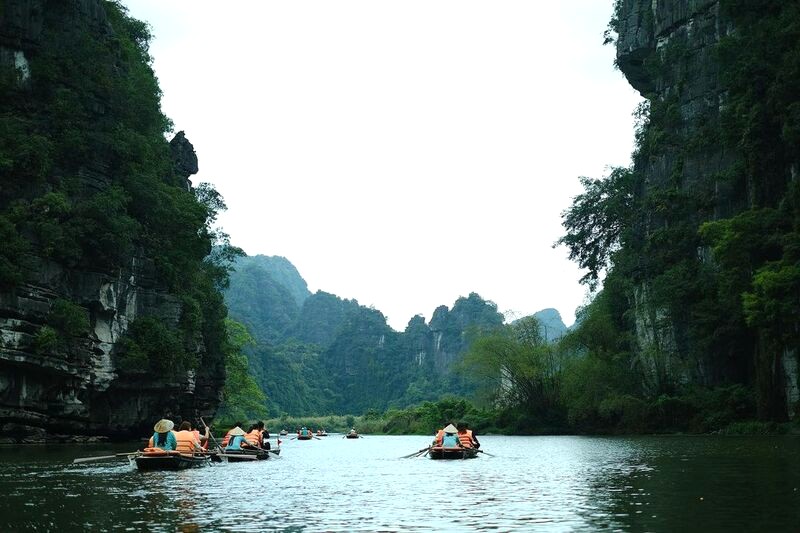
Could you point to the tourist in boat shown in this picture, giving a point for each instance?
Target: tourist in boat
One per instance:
(253, 436)
(304, 432)
(202, 439)
(237, 440)
(227, 437)
(187, 443)
(164, 438)
(467, 437)
(447, 437)
(264, 435)
(437, 440)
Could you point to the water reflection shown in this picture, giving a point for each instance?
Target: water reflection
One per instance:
(534, 483)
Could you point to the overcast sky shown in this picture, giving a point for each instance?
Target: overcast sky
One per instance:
(402, 153)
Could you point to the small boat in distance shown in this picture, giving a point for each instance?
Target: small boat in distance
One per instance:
(352, 434)
(283, 433)
(322, 433)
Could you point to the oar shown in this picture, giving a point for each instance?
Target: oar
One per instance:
(487, 453)
(211, 434)
(101, 457)
(415, 453)
(243, 456)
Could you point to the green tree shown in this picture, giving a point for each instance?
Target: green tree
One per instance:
(243, 399)
(597, 221)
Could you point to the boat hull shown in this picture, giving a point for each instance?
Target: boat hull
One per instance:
(437, 452)
(167, 461)
(304, 437)
(240, 456)
(349, 436)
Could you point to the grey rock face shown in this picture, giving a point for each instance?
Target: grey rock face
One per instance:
(69, 388)
(666, 51)
(184, 157)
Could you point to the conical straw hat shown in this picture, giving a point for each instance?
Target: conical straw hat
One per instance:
(164, 425)
(450, 429)
(236, 431)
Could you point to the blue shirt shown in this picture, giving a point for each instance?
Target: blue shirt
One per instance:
(171, 444)
(450, 441)
(235, 443)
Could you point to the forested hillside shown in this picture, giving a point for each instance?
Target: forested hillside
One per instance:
(698, 315)
(110, 311)
(331, 355)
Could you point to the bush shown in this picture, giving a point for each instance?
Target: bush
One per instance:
(46, 341)
(153, 344)
(70, 319)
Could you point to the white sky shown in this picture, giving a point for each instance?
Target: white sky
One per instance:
(402, 153)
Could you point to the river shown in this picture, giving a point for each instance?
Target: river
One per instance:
(705, 483)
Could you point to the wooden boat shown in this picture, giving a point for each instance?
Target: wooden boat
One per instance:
(440, 452)
(305, 437)
(352, 435)
(169, 460)
(323, 434)
(240, 456)
(283, 433)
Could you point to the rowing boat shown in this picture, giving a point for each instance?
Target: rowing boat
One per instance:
(440, 452)
(169, 460)
(305, 437)
(237, 456)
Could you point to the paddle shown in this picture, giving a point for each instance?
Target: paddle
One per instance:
(210, 434)
(415, 453)
(245, 457)
(102, 457)
(487, 453)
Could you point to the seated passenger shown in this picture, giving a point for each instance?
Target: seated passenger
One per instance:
(450, 438)
(237, 441)
(164, 438)
(187, 443)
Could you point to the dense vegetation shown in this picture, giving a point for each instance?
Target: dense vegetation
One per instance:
(318, 353)
(730, 312)
(88, 183)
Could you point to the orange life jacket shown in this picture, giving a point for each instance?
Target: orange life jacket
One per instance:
(253, 438)
(196, 433)
(439, 437)
(227, 438)
(186, 441)
(465, 438)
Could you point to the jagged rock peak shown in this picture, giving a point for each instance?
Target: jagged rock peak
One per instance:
(183, 156)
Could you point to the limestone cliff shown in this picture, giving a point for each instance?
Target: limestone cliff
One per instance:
(84, 170)
(669, 50)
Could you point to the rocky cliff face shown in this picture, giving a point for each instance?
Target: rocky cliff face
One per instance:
(668, 51)
(60, 381)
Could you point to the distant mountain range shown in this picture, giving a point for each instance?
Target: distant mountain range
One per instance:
(319, 353)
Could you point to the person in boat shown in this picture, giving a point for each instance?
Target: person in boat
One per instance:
(238, 441)
(253, 436)
(304, 432)
(449, 437)
(202, 439)
(264, 435)
(163, 436)
(187, 442)
(467, 437)
(437, 440)
(353, 431)
(227, 437)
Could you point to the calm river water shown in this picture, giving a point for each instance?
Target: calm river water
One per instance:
(336, 484)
